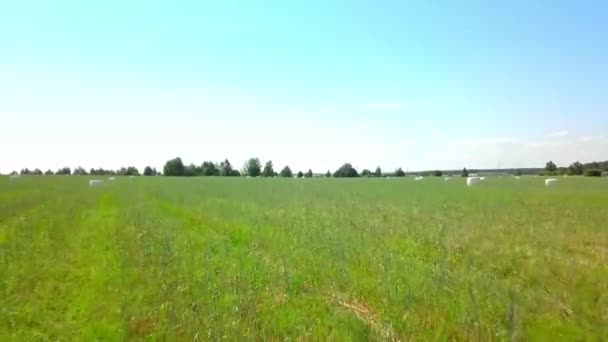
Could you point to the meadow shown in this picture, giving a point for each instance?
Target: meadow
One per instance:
(211, 258)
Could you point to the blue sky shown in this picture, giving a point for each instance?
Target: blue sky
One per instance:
(418, 85)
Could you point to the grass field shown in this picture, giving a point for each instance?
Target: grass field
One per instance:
(303, 259)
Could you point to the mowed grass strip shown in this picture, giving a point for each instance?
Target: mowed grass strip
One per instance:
(237, 258)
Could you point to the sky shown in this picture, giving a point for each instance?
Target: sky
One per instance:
(311, 84)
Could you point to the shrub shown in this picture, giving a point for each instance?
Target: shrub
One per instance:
(174, 167)
(346, 170)
(252, 167)
(592, 173)
(286, 172)
(366, 173)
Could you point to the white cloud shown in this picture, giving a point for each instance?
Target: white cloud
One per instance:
(561, 133)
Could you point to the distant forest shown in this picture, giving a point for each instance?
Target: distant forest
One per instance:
(253, 168)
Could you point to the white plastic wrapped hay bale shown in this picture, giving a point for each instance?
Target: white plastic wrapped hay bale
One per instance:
(551, 181)
(473, 180)
(94, 183)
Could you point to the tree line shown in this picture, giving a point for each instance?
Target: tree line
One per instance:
(253, 168)
(80, 171)
(592, 169)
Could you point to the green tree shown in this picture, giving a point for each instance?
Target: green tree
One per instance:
(562, 170)
(437, 173)
(209, 169)
(191, 170)
(268, 169)
(308, 174)
(575, 168)
(346, 170)
(399, 172)
(327, 174)
(130, 171)
(252, 167)
(148, 171)
(593, 173)
(464, 173)
(300, 174)
(518, 172)
(79, 171)
(49, 172)
(366, 173)
(64, 171)
(550, 167)
(378, 172)
(174, 167)
(226, 169)
(25, 171)
(286, 172)
(37, 172)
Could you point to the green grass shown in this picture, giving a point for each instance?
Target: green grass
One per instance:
(312, 259)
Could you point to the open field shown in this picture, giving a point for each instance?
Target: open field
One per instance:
(358, 259)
